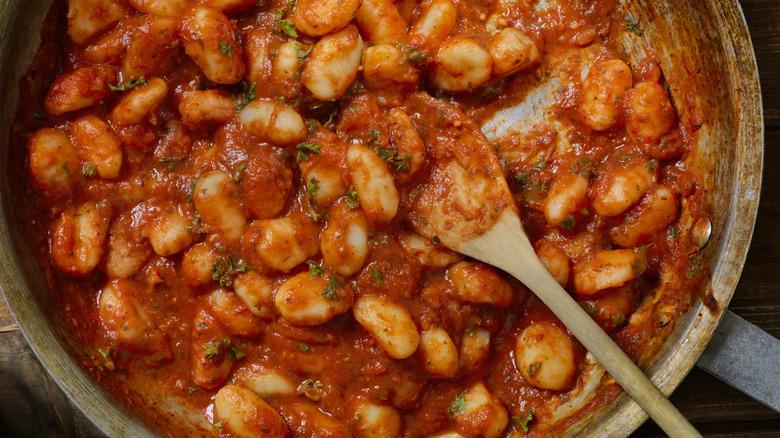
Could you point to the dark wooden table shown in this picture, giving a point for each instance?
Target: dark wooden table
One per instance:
(31, 405)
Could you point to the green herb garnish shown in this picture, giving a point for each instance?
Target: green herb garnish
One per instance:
(304, 149)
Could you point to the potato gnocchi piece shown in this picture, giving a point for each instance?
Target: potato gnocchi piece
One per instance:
(656, 211)
(567, 196)
(171, 231)
(617, 190)
(462, 64)
(265, 381)
(301, 414)
(206, 106)
(512, 51)
(283, 243)
(121, 315)
(211, 357)
(344, 240)
(479, 413)
(439, 353)
(428, 253)
(272, 121)
(306, 300)
(479, 283)
(127, 249)
(196, 265)
(98, 146)
(82, 88)
(545, 357)
(162, 8)
(437, 21)
(380, 22)
(209, 38)
(390, 324)
(78, 238)
(89, 18)
(374, 185)
(229, 310)
(333, 64)
(650, 113)
(602, 93)
(214, 196)
(555, 260)
(376, 421)
(140, 103)
(321, 17)
(245, 414)
(257, 293)
(53, 161)
(386, 67)
(474, 349)
(606, 269)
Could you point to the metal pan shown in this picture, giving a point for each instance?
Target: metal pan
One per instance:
(705, 51)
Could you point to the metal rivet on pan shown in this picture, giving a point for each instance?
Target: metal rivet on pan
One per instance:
(701, 232)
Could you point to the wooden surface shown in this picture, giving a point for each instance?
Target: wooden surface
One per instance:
(31, 405)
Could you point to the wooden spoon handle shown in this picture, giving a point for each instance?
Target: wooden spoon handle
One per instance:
(506, 246)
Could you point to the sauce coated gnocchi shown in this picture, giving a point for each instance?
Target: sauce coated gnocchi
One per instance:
(224, 195)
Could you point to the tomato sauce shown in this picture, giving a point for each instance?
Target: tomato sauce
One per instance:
(169, 276)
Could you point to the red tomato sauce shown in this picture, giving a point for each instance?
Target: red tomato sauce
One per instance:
(159, 222)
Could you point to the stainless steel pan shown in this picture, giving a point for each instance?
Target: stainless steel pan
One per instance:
(705, 52)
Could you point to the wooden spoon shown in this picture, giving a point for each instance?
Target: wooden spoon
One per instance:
(465, 204)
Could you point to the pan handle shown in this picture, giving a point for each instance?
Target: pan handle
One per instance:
(745, 357)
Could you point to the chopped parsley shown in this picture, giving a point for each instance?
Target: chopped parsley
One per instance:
(376, 274)
(287, 27)
(583, 167)
(639, 266)
(373, 134)
(238, 174)
(213, 350)
(633, 24)
(523, 420)
(378, 241)
(303, 347)
(472, 330)
(412, 53)
(313, 213)
(352, 200)
(67, 170)
(88, 170)
(674, 232)
(394, 160)
(224, 268)
(589, 308)
(315, 270)
(330, 291)
(696, 266)
(535, 190)
(568, 223)
(247, 94)
(130, 83)
(534, 368)
(226, 48)
(302, 54)
(304, 149)
(106, 354)
(312, 187)
(619, 319)
(458, 404)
